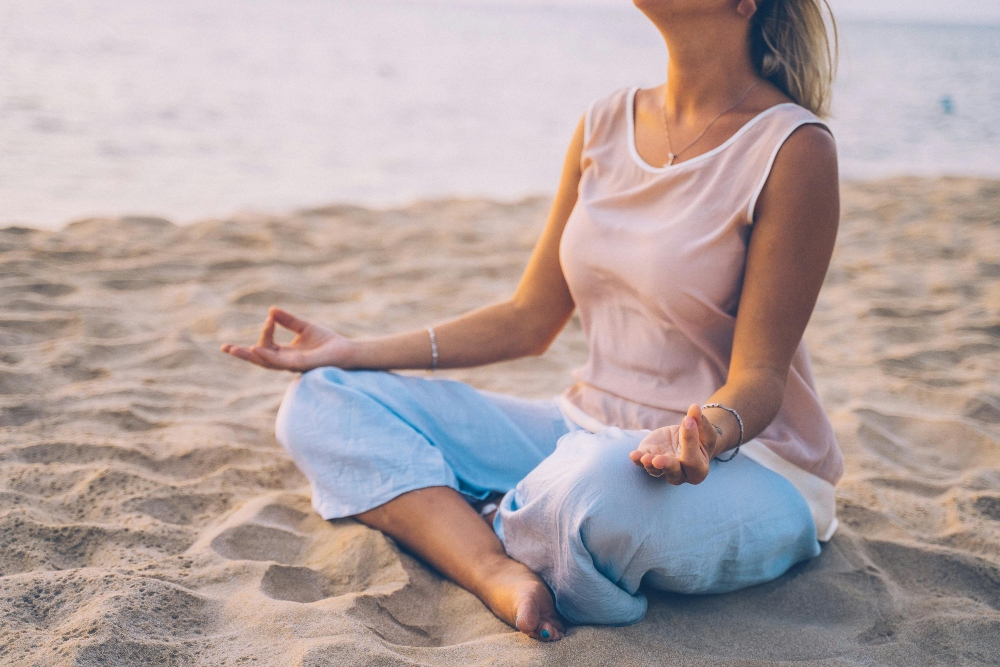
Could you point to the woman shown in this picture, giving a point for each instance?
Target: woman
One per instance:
(678, 207)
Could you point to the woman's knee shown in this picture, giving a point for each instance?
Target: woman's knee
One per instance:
(291, 405)
(590, 482)
(600, 460)
(305, 400)
(574, 520)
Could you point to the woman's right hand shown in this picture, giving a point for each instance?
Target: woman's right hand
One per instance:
(313, 346)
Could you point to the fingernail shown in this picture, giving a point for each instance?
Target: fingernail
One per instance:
(545, 634)
(688, 422)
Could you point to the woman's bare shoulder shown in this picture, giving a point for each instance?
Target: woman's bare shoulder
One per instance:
(803, 186)
(809, 153)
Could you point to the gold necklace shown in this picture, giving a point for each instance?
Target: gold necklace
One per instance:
(671, 155)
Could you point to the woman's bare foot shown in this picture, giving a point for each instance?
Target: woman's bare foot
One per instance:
(439, 526)
(518, 596)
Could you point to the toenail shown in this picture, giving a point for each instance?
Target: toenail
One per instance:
(545, 634)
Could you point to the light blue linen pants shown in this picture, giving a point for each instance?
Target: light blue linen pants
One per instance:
(577, 511)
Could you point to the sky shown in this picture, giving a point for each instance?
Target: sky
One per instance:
(920, 10)
(948, 11)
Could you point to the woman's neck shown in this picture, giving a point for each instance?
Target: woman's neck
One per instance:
(709, 65)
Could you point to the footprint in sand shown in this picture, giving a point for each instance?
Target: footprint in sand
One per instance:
(41, 288)
(988, 506)
(125, 419)
(310, 559)
(17, 383)
(984, 409)
(133, 284)
(255, 542)
(295, 584)
(18, 415)
(15, 331)
(271, 534)
(180, 510)
(935, 360)
(266, 297)
(936, 447)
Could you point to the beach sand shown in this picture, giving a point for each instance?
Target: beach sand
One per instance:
(148, 517)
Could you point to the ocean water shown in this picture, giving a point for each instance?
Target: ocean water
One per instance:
(200, 108)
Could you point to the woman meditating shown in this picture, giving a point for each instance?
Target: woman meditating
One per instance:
(691, 231)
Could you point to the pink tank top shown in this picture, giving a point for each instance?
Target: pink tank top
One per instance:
(654, 258)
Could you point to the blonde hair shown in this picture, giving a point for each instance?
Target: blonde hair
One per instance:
(791, 48)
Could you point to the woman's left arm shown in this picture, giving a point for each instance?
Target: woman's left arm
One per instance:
(795, 227)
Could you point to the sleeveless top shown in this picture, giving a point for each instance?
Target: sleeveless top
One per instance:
(654, 259)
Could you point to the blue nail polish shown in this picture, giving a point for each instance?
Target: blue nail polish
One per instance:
(545, 634)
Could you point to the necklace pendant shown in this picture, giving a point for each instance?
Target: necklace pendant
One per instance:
(670, 158)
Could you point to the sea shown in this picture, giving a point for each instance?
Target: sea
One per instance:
(190, 109)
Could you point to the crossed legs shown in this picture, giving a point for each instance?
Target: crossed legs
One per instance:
(581, 515)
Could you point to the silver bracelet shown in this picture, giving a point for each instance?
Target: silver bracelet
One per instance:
(434, 349)
(739, 420)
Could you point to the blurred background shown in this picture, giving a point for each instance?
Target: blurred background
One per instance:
(199, 108)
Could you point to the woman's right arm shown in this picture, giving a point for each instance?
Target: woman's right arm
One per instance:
(523, 325)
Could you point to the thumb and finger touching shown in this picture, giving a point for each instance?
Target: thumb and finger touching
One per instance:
(266, 352)
(250, 354)
(287, 320)
(277, 357)
(266, 339)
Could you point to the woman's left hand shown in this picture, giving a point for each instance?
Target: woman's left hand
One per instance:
(681, 453)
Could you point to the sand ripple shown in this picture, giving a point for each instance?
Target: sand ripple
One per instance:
(148, 517)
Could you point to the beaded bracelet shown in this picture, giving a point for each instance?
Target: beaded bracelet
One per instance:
(434, 348)
(739, 420)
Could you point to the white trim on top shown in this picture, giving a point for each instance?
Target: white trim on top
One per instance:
(588, 124)
(634, 152)
(817, 492)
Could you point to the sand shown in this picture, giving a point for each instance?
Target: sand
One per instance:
(148, 517)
